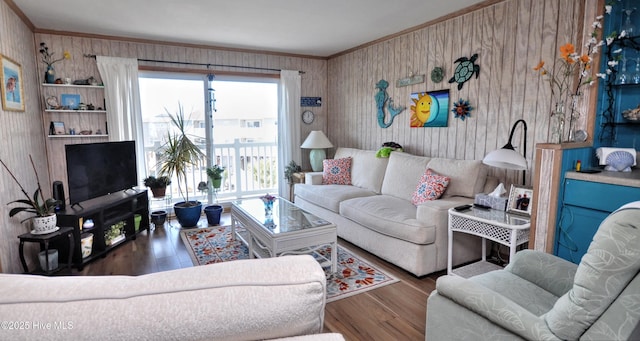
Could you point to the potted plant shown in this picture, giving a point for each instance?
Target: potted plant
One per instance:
(42, 210)
(215, 174)
(157, 185)
(179, 154)
(291, 168)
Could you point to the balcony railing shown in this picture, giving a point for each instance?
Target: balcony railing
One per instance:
(250, 169)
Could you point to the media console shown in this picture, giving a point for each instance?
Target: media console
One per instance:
(105, 211)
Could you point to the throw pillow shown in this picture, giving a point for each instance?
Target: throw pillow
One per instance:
(336, 171)
(431, 187)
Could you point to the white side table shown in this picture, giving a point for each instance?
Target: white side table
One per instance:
(507, 229)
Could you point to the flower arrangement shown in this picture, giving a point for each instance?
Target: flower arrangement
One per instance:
(571, 66)
(47, 57)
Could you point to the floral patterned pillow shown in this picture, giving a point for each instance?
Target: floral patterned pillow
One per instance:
(336, 171)
(431, 187)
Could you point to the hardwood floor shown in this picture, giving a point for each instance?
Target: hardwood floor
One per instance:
(393, 312)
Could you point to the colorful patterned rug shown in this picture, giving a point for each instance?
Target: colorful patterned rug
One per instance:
(354, 276)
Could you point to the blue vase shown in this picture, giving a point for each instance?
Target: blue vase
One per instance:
(213, 213)
(188, 216)
(50, 75)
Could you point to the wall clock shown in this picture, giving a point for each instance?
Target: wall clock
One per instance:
(308, 116)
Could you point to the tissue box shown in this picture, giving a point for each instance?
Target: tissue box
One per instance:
(493, 202)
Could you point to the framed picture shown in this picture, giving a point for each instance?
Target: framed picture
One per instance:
(12, 88)
(520, 200)
(70, 101)
(57, 128)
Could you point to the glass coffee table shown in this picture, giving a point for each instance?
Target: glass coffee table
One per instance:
(287, 230)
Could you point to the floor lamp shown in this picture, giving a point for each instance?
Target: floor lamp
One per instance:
(507, 157)
(317, 141)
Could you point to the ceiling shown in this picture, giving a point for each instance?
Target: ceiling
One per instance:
(315, 28)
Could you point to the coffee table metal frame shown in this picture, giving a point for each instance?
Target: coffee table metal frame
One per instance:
(300, 237)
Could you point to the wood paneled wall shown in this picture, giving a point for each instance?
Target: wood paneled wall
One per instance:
(314, 81)
(510, 37)
(21, 135)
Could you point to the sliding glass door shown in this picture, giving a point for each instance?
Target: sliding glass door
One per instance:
(239, 134)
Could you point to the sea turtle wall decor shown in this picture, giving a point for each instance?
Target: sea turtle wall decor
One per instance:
(382, 99)
(465, 70)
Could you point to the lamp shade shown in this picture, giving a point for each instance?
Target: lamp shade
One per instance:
(505, 158)
(316, 140)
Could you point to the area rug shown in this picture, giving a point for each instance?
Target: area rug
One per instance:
(354, 275)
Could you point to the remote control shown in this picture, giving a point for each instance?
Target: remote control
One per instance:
(484, 207)
(462, 207)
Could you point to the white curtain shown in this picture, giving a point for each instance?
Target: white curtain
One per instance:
(122, 96)
(288, 125)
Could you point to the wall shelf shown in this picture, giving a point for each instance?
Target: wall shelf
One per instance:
(78, 135)
(76, 111)
(72, 86)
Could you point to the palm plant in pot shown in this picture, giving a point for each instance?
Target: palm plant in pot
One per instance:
(44, 219)
(178, 155)
(157, 185)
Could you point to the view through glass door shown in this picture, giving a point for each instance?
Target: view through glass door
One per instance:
(243, 131)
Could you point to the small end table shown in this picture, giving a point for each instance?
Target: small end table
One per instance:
(296, 178)
(507, 229)
(43, 240)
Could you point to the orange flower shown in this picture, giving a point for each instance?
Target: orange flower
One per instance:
(566, 51)
(539, 66)
(585, 59)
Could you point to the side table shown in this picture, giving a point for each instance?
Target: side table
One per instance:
(296, 178)
(507, 229)
(43, 240)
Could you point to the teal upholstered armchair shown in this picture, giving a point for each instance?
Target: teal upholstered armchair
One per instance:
(542, 297)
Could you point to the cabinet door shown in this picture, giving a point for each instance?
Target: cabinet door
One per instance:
(577, 227)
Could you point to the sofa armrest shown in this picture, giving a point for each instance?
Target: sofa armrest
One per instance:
(244, 299)
(313, 178)
(547, 271)
(493, 306)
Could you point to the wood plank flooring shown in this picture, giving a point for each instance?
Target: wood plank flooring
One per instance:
(393, 312)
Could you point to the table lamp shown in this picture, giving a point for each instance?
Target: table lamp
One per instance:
(507, 157)
(317, 141)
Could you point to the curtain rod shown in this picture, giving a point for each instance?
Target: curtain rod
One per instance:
(208, 65)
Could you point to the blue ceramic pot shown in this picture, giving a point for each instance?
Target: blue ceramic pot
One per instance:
(213, 213)
(188, 215)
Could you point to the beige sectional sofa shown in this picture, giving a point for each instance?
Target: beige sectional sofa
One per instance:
(241, 300)
(375, 212)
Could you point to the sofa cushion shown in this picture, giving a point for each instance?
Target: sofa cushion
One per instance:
(367, 170)
(330, 196)
(336, 171)
(526, 294)
(390, 216)
(402, 174)
(430, 187)
(467, 176)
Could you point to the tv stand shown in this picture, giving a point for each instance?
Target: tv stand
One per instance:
(105, 211)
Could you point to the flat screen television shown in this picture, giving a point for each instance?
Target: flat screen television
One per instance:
(97, 169)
